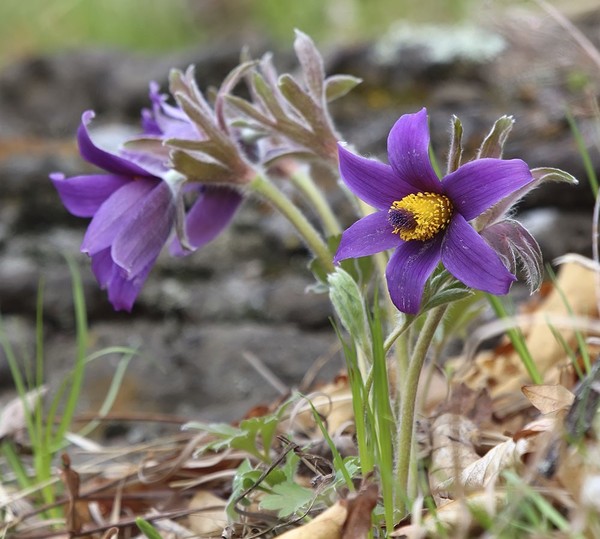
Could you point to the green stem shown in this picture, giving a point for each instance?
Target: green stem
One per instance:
(307, 186)
(409, 397)
(315, 243)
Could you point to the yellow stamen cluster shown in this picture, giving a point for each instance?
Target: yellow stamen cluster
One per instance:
(420, 216)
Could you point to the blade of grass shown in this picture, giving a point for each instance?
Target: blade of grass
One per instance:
(583, 152)
(517, 339)
(583, 349)
(384, 418)
(79, 369)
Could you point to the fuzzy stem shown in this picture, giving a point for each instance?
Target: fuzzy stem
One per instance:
(409, 397)
(307, 186)
(262, 186)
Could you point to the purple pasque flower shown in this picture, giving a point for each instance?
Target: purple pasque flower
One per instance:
(213, 205)
(132, 211)
(424, 219)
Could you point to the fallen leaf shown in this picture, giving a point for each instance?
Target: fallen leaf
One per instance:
(13, 417)
(210, 518)
(452, 450)
(548, 398)
(328, 525)
(360, 506)
(455, 515)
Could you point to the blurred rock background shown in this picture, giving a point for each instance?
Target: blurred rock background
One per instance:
(202, 322)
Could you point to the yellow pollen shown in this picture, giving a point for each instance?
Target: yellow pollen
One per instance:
(420, 216)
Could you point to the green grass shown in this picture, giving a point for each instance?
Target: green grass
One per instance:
(36, 26)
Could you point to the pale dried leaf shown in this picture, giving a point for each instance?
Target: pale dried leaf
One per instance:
(457, 514)
(548, 398)
(328, 525)
(483, 471)
(502, 371)
(452, 450)
(13, 415)
(210, 518)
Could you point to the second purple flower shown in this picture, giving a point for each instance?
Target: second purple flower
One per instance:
(424, 219)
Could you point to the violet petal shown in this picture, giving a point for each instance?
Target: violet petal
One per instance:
(114, 214)
(102, 267)
(83, 195)
(122, 292)
(101, 158)
(140, 240)
(408, 152)
(479, 184)
(472, 261)
(369, 235)
(372, 181)
(210, 214)
(408, 269)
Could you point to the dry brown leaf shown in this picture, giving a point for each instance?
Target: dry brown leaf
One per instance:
(210, 519)
(360, 507)
(328, 525)
(452, 450)
(548, 398)
(333, 402)
(502, 372)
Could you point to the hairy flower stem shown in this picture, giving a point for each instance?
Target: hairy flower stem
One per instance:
(408, 402)
(307, 186)
(266, 189)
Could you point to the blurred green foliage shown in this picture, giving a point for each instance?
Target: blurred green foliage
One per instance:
(33, 26)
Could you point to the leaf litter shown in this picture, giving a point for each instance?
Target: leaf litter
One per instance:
(493, 438)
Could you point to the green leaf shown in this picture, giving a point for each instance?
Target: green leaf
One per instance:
(312, 64)
(348, 302)
(338, 86)
(254, 435)
(195, 169)
(449, 295)
(493, 144)
(456, 149)
(287, 498)
(549, 174)
(147, 529)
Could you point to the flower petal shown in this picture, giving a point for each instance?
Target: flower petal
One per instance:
(371, 181)
(408, 269)
(408, 152)
(83, 195)
(210, 214)
(141, 239)
(114, 214)
(122, 292)
(102, 267)
(101, 158)
(479, 184)
(369, 235)
(472, 261)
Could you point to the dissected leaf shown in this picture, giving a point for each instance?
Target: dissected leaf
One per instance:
(287, 498)
(548, 398)
(312, 64)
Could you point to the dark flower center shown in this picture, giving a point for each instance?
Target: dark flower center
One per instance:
(420, 216)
